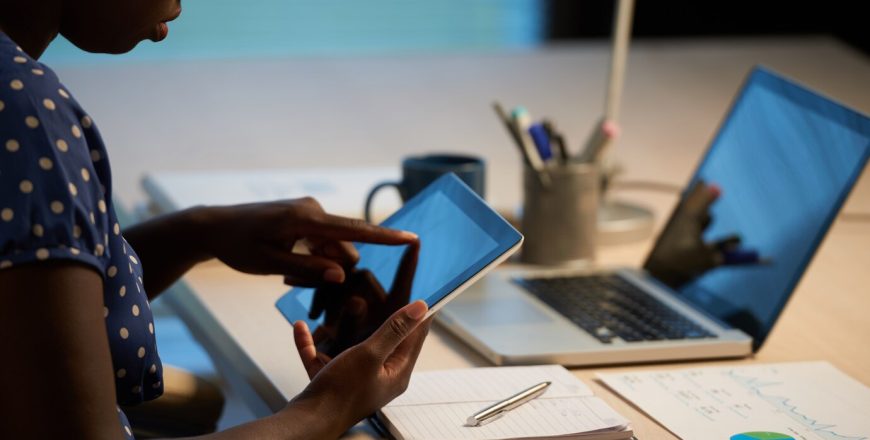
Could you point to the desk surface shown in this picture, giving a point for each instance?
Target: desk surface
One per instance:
(676, 93)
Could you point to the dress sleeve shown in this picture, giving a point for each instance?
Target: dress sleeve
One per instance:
(50, 199)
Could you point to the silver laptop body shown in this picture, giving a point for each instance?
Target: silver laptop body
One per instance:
(507, 325)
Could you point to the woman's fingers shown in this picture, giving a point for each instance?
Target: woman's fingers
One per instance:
(351, 229)
(306, 349)
(302, 270)
(405, 355)
(391, 333)
(400, 292)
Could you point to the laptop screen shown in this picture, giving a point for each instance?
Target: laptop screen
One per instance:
(785, 159)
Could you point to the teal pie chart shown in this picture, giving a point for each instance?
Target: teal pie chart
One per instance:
(761, 435)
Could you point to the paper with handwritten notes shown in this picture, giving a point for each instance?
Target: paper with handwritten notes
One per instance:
(802, 400)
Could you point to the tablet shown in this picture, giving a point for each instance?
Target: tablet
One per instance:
(461, 239)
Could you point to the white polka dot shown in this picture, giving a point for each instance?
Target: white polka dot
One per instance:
(74, 251)
(135, 310)
(93, 218)
(7, 214)
(19, 59)
(2, 105)
(126, 428)
(141, 352)
(124, 333)
(151, 328)
(156, 385)
(101, 205)
(122, 291)
(121, 373)
(38, 72)
(136, 389)
(73, 190)
(112, 271)
(45, 163)
(86, 175)
(62, 145)
(38, 230)
(131, 269)
(12, 145)
(153, 369)
(63, 93)
(87, 122)
(26, 186)
(31, 121)
(105, 312)
(77, 231)
(99, 250)
(42, 253)
(76, 131)
(49, 104)
(7, 264)
(57, 207)
(106, 239)
(16, 84)
(134, 260)
(95, 156)
(116, 229)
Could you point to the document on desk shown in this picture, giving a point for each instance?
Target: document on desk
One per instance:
(802, 400)
(437, 405)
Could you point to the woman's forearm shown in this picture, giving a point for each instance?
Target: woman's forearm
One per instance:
(301, 419)
(170, 245)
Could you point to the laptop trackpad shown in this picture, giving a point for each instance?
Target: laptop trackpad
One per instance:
(500, 311)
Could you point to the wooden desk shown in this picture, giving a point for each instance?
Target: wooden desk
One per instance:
(676, 94)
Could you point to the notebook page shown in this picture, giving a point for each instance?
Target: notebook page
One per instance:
(488, 385)
(541, 417)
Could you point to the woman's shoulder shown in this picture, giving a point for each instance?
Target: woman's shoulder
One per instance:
(50, 196)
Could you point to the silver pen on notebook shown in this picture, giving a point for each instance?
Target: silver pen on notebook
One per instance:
(498, 409)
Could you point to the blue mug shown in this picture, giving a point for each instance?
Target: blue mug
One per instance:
(419, 171)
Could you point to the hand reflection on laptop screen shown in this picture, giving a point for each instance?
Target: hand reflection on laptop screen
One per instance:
(784, 161)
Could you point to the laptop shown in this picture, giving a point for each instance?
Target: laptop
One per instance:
(785, 159)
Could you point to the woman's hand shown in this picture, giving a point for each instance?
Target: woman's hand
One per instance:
(259, 238)
(353, 310)
(367, 376)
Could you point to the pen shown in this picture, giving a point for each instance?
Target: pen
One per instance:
(556, 140)
(498, 409)
(530, 157)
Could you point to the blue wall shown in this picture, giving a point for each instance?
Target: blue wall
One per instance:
(265, 28)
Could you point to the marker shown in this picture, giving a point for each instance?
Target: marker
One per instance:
(542, 141)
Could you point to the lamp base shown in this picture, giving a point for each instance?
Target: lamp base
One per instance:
(622, 222)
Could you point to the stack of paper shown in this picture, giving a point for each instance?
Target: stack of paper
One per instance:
(437, 405)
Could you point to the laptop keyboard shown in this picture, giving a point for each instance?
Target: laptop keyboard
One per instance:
(609, 307)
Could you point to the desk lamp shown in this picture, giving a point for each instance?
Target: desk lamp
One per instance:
(618, 222)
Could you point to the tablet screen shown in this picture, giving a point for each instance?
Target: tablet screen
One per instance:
(459, 236)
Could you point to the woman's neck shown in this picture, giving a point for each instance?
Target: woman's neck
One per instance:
(32, 25)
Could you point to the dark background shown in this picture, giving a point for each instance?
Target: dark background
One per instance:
(843, 19)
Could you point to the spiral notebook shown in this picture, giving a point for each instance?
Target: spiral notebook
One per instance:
(438, 403)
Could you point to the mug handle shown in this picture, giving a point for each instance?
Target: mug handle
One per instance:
(371, 197)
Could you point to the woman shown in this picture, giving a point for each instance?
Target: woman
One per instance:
(77, 332)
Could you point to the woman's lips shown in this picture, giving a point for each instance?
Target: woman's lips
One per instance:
(160, 32)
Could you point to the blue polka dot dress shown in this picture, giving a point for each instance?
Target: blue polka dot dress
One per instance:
(56, 204)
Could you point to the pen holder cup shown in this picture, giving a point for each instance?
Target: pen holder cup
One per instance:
(560, 216)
